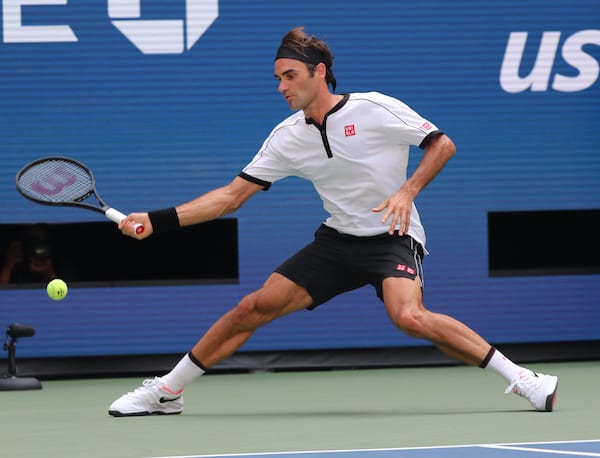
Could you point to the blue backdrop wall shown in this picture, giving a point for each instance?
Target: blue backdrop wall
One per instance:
(168, 99)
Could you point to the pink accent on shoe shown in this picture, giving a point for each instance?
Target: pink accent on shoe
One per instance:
(170, 391)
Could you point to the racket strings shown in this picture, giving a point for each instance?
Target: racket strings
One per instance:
(57, 181)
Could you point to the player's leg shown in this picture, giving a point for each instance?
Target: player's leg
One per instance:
(404, 304)
(307, 279)
(164, 395)
(279, 296)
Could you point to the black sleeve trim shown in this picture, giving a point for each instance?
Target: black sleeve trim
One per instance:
(430, 137)
(265, 184)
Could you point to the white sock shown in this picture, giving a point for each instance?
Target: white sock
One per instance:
(504, 366)
(184, 372)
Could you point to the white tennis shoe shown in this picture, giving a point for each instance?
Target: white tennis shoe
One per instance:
(538, 389)
(152, 398)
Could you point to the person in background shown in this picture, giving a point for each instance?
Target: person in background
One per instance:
(29, 259)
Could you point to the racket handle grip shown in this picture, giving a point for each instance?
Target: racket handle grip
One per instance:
(116, 216)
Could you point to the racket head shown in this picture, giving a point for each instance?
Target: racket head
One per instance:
(57, 181)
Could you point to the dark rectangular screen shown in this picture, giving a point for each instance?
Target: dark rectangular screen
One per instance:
(97, 254)
(553, 242)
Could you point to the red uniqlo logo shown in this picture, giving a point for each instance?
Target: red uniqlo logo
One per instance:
(403, 268)
(349, 130)
(426, 125)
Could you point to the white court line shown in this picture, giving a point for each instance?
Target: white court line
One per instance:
(299, 452)
(520, 446)
(540, 450)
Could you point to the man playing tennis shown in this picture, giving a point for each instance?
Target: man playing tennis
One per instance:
(354, 149)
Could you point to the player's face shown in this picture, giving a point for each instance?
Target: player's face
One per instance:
(297, 85)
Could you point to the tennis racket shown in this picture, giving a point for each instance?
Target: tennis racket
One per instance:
(62, 181)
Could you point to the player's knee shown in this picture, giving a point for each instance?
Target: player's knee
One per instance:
(411, 320)
(251, 310)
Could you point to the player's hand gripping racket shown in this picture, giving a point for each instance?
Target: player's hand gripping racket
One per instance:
(64, 182)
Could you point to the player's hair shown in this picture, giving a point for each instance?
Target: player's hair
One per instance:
(298, 40)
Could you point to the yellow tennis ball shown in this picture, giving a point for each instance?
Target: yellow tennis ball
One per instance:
(57, 289)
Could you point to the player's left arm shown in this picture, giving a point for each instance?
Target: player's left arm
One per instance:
(437, 153)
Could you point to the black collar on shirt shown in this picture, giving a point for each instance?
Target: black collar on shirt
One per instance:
(338, 106)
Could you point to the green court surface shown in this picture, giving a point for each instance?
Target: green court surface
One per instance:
(298, 411)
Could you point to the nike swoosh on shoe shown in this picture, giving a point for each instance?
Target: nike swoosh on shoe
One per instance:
(163, 399)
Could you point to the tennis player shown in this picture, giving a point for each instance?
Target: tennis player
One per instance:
(354, 149)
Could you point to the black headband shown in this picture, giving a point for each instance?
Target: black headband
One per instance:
(308, 55)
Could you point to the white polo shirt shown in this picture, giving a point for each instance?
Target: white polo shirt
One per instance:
(356, 159)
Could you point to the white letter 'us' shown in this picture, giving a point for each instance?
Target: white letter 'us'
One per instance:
(163, 36)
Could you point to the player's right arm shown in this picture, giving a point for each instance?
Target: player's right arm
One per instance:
(212, 205)
(218, 202)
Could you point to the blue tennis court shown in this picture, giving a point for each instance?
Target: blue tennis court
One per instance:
(529, 449)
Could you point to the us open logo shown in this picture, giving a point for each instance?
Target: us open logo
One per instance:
(163, 36)
(150, 36)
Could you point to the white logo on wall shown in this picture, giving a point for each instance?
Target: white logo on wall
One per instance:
(586, 66)
(163, 36)
(150, 36)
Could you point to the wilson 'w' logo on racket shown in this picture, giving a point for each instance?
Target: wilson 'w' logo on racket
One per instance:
(54, 183)
(62, 181)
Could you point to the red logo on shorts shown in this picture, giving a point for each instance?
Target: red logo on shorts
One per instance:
(403, 268)
(349, 130)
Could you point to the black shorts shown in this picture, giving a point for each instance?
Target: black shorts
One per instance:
(335, 263)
